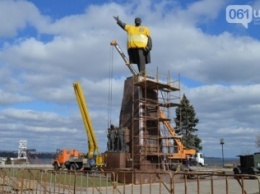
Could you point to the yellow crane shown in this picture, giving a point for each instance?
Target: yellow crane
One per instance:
(182, 152)
(72, 159)
(120, 51)
(92, 141)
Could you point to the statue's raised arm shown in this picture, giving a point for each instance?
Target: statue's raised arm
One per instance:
(119, 22)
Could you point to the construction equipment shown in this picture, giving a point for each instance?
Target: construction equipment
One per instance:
(114, 43)
(72, 159)
(249, 164)
(182, 153)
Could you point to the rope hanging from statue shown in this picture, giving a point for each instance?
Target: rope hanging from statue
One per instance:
(110, 85)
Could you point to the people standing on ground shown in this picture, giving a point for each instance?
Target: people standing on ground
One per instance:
(139, 43)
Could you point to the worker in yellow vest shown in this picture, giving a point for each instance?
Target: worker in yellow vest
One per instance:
(139, 43)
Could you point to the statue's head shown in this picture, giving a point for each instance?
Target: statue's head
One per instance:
(138, 21)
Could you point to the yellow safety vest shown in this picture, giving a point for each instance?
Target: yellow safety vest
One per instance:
(137, 36)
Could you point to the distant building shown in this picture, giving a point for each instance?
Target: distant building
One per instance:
(2, 161)
(22, 150)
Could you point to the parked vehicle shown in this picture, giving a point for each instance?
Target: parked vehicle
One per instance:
(72, 159)
(199, 158)
(249, 164)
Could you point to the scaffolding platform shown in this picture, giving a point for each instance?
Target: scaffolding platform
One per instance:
(153, 84)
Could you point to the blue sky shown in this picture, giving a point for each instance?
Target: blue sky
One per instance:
(46, 46)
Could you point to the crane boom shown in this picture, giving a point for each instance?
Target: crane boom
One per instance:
(114, 43)
(72, 159)
(92, 142)
(182, 151)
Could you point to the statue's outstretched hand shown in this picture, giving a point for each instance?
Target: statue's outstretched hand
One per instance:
(116, 18)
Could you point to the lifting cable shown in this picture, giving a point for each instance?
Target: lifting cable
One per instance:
(110, 86)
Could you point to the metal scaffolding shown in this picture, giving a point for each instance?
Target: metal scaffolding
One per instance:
(150, 142)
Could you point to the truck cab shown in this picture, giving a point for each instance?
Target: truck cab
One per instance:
(63, 156)
(199, 158)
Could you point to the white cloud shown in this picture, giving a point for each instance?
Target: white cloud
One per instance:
(201, 11)
(240, 131)
(16, 15)
(11, 98)
(28, 115)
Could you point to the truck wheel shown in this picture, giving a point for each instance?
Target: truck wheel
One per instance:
(56, 166)
(73, 167)
(252, 171)
(236, 170)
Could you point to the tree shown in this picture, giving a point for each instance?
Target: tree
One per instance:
(257, 141)
(8, 160)
(186, 122)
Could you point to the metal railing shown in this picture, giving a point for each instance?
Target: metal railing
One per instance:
(24, 180)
